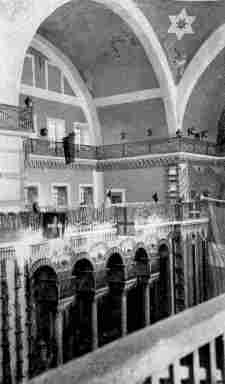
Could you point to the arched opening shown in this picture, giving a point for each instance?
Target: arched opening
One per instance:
(112, 324)
(90, 78)
(78, 330)
(164, 282)
(45, 301)
(138, 297)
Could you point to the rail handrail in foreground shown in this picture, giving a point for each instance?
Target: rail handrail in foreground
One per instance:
(145, 356)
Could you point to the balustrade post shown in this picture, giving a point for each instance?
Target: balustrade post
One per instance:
(223, 357)
(146, 289)
(124, 313)
(196, 367)
(212, 362)
(94, 322)
(59, 335)
(176, 372)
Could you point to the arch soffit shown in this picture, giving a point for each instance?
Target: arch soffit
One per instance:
(200, 62)
(141, 245)
(112, 251)
(76, 82)
(42, 263)
(163, 242)
(134, 17)
(83, 256)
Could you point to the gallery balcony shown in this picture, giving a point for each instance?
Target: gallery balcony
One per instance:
(44, 147)
(16, 118)
(124, 219)
(173, 145)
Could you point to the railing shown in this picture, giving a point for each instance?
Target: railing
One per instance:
(187, 348)
(16, 118)
(45, 147)
(155, 146)
(131, 217)
(95, 234)
(88, 219)
(114, 151)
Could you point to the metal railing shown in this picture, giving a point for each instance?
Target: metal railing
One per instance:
(16, 118)
(44, 147)
(113, 151)
(87, 219)
(155, 146)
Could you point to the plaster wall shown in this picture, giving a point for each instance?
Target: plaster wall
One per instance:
(11, 168)
(207, 99)
(134, 119)
(45, 178)
(50, 109)
(139, 184)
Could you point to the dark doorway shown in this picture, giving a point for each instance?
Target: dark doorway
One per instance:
(164, 282)
(80, 324)
(116, 280)
(45, 301)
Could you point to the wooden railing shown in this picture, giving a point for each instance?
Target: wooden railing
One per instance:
(16, 118)
(132, 149)
(186, 348)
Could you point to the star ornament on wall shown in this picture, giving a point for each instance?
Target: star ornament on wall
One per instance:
(181, 24)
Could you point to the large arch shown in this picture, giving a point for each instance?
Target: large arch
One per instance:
(130, 13)
(76, 82)
(203, 58)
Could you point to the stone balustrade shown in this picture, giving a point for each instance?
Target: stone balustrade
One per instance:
(189, 347)
(130, 149)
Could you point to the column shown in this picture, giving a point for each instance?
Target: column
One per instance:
(59, 335)
(196, 367)
(172, 288)
(98, 183)
(12, 162)
(212, 362)
(10, 268)
(124, 313)
(94, 322)
(146, 289)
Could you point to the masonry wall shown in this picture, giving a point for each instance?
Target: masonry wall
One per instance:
(139, 184)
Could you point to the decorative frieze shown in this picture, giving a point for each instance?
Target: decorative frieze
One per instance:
(51, 163)
(145, 161)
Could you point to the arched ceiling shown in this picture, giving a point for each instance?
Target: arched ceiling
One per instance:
(207, 17)
(207, 99)
(101, 46)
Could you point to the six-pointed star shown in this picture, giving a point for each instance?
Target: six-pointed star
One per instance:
(181, 24)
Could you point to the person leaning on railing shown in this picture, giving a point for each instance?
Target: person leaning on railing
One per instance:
(108, 205)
